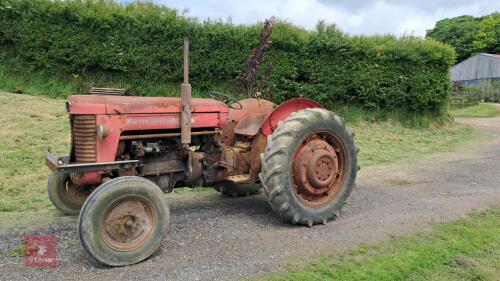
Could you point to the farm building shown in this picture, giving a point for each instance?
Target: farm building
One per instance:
(481, 70)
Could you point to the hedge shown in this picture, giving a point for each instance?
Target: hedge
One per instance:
(143, 41)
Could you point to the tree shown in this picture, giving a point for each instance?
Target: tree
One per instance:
(469, 35)
(488, 38)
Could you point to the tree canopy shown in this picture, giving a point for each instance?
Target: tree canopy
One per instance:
(469, 35)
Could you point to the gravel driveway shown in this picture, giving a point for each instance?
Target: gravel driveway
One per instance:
(213, 237)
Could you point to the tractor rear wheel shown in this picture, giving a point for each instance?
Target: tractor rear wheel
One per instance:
(123, 221)
(238, 190)
(65, 196)
(309, 166)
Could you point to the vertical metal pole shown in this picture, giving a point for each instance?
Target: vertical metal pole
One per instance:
(186, 99)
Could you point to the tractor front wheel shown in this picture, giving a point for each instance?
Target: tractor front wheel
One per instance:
(123, 221)
(65, 196)
(309, 166)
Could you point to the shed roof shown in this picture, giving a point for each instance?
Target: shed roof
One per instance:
(480, 66)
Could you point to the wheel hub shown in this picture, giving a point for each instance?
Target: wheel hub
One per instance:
(315, 167)
(127, 224)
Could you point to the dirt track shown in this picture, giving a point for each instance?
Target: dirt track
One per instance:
(213, 237)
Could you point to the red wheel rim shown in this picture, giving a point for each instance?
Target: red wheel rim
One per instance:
(319, 169)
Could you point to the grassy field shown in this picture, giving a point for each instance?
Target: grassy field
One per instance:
(482, 110)
(468, 249)
(33, 123)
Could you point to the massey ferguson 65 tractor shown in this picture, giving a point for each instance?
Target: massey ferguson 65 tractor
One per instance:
(127, 151)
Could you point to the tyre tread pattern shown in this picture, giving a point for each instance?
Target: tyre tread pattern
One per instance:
(275, 175)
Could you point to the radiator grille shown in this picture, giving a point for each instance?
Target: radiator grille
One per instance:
(84, 138)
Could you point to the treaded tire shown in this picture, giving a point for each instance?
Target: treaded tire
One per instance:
(58, 195)
(238, 190)
(90, 225)
(277, 161)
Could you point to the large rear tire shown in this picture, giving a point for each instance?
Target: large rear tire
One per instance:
(65, 196)
(123, 222)
(309, 166)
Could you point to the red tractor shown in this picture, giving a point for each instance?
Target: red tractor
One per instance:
(127, 151)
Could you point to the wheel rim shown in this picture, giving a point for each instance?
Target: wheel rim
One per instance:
(128, 223)
(319, 168)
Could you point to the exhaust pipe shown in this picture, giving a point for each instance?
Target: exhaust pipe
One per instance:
(186, 99)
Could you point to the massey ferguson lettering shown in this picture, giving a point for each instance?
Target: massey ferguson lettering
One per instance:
(152, 121)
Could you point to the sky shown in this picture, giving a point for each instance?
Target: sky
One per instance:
(354, 16)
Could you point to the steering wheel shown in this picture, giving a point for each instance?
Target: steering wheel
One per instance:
(225, 99)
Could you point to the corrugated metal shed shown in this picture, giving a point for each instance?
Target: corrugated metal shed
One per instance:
(480, 66)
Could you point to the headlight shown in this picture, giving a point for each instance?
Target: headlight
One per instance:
(102, 132)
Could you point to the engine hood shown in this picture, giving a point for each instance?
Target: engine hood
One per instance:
(95, 104)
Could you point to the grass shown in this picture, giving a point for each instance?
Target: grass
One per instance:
(18, 77)
(482, 110)
(33, 123)
(29, 125)
(387, 142)
(355, 114)
(467, 249)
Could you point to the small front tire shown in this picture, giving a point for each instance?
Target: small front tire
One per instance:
(65, 196)
(123, 222)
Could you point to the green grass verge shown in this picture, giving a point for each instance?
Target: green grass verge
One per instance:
(388, 142)
(33, 123)
(468, 249)
(481, 110)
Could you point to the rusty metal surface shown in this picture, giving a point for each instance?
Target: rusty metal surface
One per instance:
(53, 162)
(250, 124)
(241, 179)
(166, 166)
(62, 164)
(77, 194)
(84, 138)
(88, 178)
(228, 132)
(236, 160)
(318, 169)
(186, 99)
(127, 223)
(258, 146)
(249, 107)
(195, 168)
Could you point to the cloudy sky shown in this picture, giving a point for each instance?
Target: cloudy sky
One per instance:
(353, 16)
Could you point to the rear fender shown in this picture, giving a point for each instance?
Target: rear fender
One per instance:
(283, 111)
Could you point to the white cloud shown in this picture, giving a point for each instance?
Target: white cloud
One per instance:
(355, 16)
